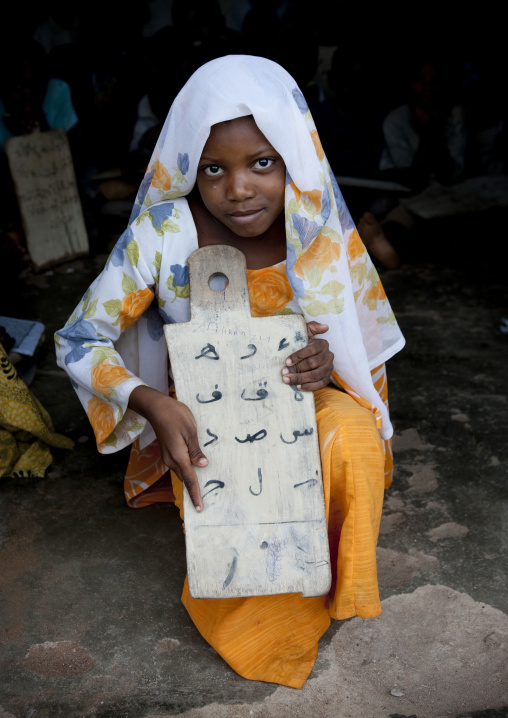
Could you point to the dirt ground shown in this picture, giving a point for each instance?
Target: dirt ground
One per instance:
(91, 623)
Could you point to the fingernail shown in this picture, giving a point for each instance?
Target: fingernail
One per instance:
(203, 462)
(289, 362)
(199, 509)
(285, 379)
(285, 371)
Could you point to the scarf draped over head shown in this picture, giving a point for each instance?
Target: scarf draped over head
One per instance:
(327, 265)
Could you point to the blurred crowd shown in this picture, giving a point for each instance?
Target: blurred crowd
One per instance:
(395, 99)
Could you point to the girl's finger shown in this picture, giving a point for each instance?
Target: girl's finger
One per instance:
(320, 374)
(314, 328)
(309, 385)
(189, 478)
(313, 348)
(313, 386)
(197, 457)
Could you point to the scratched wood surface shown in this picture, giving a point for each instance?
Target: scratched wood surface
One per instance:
(43, 173)
(263, 529)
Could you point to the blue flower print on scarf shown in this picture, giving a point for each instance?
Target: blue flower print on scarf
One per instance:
(326, 204)
(300, 101)
(117, 256)
(153, 322)
(156, 317)
(166, 319)
(295, 281)
(135, 212)
(81, 331)
(178, 282)
(345, 218)
(183, 163)
(336, 191)
(158, 213)
(140, 197)
(180, 274)
(306, 228)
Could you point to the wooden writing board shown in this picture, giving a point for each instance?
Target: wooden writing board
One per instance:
(263, 529)
(43, 173)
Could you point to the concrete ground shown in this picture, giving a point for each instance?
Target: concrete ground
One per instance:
(91, 623)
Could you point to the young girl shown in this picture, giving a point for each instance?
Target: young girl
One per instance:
(240, 142)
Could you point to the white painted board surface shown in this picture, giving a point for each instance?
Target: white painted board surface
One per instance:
(43, 173)
(263, 529)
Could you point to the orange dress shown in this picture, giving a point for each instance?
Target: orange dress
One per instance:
(275, 638)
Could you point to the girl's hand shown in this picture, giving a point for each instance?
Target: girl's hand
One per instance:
(310, 368)
(175, 428)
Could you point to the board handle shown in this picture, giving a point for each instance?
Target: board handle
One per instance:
(216, 259)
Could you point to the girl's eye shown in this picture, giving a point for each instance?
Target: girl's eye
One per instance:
(212, 170)
(264, 163)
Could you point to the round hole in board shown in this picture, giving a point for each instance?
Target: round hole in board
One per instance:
(218, 282)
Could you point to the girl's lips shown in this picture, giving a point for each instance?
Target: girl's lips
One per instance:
(246, 218)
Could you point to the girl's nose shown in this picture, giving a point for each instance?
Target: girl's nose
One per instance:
(240, 187)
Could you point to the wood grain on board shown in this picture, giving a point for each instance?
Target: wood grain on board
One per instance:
(263, 529)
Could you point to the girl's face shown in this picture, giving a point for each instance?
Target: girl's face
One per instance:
(241, 178)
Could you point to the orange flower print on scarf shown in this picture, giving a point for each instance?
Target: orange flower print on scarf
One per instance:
(314, 195)
(295, 190)
(375, 294)
(319, 255)
(377, 291)
(102, 418)
(317, 144)
(161, 178)
(355, 247)
(106, 375)
(133, 306)
(269, 291)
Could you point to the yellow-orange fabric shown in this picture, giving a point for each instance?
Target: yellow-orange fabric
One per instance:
(143, 478)
(26, 429)
(381, 383)
(275, 638)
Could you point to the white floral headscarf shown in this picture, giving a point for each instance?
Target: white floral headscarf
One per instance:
(327, 265)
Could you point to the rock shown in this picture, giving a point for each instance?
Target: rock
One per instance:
(391, 522)
(59, 658)
(448, 530)
(167, 644)
(423, 478)
(445, 664)
(409, 439)
(396, 568)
